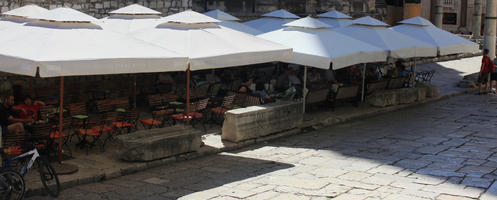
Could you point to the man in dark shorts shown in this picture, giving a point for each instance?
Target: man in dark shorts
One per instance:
(10, 124)
(487, 66)
(493, 78)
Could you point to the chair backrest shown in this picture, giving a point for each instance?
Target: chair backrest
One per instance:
(110, 117)
(122, 102)
(169, 97)
(41, 130)
(77, 108)
(228, 100)
(154, 100)
(104, 106)
(162, 113)
(47, 112)
(316, 96)
(252, 100)
(131, 115)
(201, 91)
(346, 92)
(202, 104)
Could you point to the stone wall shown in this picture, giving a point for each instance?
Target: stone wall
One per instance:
(248, 9)
(245, 9)
(100, 8)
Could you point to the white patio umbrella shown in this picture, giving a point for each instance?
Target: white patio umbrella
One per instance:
(211, 46)
(131, 18)
(377, 33)
(272, 21)
(231, 21)
(19, 16)
(335, 18)
(65, 42)
(447, 43)
(317, 46)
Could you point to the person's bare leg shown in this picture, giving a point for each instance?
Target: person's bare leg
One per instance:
(16, 128)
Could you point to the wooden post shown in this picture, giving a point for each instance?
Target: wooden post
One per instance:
(187, 110)
(134, 90)
(61, 114)
(363, 82)
(304, 89)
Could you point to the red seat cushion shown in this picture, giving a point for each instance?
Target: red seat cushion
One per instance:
(122, 124)
(56, 134)
(181, 116)
(103, 128)
(150, 122)
(92, 132)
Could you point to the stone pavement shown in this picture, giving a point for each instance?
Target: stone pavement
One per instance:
(440, 150)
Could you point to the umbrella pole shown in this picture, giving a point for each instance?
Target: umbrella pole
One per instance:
(363, 82)
(61, 112)
(134, 90)
(304, 96)
(187, 110)
(413, 73)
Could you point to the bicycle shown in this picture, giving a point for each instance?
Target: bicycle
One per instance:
(49, 178)
(12, 185)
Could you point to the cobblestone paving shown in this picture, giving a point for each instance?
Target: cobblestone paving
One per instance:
(444, 150)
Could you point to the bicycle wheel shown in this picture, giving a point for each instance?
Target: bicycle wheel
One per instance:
(12, 185)
(49, 178)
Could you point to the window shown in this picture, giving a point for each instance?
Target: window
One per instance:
(450, 18)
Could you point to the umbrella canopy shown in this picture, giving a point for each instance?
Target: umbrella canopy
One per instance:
(272, 21)
(19, 16)
(317, 46)
(447, 43)
(209, 45)
(231, 21)
(65, 42)
(335, 18)
(377, 33)
(131, 18)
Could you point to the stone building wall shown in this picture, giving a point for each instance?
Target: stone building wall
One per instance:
(245, 9)
(100, 8)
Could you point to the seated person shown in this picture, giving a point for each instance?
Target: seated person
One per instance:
(354, 75)
(371, 75)
(10, 124)
(31, 107)
(330, 78)
(314, 76)
(282, 83)
(401, 69)
(245, 87)
(259, 90)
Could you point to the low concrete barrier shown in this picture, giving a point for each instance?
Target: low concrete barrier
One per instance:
(257, 121)
(153, 144)
(383, 98)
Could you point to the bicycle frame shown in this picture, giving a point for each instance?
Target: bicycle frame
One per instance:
(24, 170)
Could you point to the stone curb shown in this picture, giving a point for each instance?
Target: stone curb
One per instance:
(229, 146)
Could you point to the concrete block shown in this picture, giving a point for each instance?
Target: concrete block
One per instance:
(407, 95)
(257, 121)
(153, 144)
(382, 98)
(431, 90)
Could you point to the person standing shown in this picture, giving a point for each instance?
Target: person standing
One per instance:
(487, 66)
(493, 78)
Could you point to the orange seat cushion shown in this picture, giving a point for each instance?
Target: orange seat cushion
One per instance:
(103, 128)
(92, 132)
(150, 122)
(122, 124)
(56, 134)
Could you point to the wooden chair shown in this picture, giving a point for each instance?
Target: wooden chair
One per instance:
(252, 100)
(158, 118)
(104, 106)
(78, 113)
(129, 122)
(155, 102)
(218, 112)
